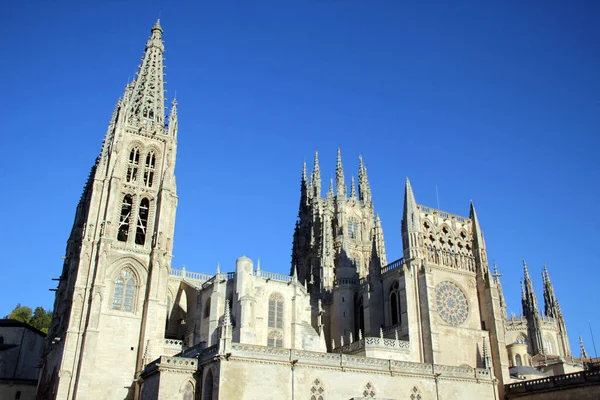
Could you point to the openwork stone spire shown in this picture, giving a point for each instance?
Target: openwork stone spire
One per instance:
(551, 306)
(316, 177)
(147, 96)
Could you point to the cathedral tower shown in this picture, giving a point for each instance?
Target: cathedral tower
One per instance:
(338, 242)
(109, 311)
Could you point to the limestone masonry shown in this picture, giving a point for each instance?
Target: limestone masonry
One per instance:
(345, 323)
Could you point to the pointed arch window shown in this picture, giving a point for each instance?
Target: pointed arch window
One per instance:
(133, 164)
(142, 222)
(276, 311)
(396, 312)
(352, 229)
(124, 292)
(518, 360)
(149, 168)
(275, 339)
(125, 218)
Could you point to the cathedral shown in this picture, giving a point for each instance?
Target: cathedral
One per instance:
(344, 324)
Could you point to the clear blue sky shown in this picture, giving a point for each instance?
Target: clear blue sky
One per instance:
(495, 102)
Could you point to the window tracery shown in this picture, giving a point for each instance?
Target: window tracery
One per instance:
(123, 232)
(395, 310)
(369, 391)
(415, 394)
(133, 164)
(452, 304)
(353, 228)
(317, 391)
(276, 311)
(124, 292)
(142, 222)
(275, 338)
(149, 168)
(275, 321)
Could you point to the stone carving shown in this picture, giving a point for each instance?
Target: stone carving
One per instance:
(452, 303)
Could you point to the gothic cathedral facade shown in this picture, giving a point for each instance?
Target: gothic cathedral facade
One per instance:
(345, 323)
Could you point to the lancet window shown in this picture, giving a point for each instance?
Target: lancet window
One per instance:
(518, 360)
(276, 311)
(142, 222)
(149, 168)
(125, 218)
(352, 229)
(396, 312)
(275, 321)
(133, 164)
(124, 292)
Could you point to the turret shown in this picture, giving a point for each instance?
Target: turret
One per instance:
(410, 223)
(316, 178)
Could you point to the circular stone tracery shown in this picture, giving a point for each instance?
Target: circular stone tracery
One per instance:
(452, 303)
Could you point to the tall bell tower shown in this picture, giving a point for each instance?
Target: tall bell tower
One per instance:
(110, 306)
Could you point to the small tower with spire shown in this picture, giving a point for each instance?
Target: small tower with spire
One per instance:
(531, 313)
(552, 310)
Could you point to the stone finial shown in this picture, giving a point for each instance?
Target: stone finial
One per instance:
(584, 354)
(218, 268)
(396, 334)
(351, 338)
(330, 193)
(360, 335)
(258, 265)
(342, 341)
(332, 344)
(157, 26)
(339, 176)
(381, 333)
(352, 189)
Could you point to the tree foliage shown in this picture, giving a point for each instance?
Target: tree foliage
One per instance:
(40, 319)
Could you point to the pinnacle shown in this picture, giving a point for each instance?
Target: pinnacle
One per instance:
(157, 25)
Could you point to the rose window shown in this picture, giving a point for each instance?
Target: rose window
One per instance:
(452, 303)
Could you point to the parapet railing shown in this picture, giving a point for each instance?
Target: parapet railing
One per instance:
(442, 214)
(554, 382)
(194, 276)
(371, 342)
(272, 276)
(393, 265)
(358, 362)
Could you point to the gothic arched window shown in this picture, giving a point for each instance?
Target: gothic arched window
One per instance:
(124, 292)
(125, 218)
(352, 228)
(275, 339)
(518, 360)
(142, 222)
(149, 168)
(133, 164)
(395, 311)
(207, 389)
(276, 311)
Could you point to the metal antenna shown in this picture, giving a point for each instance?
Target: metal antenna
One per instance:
(593, 342)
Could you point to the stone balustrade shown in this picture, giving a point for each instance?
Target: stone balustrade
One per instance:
(393, 265)
(558, 382)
